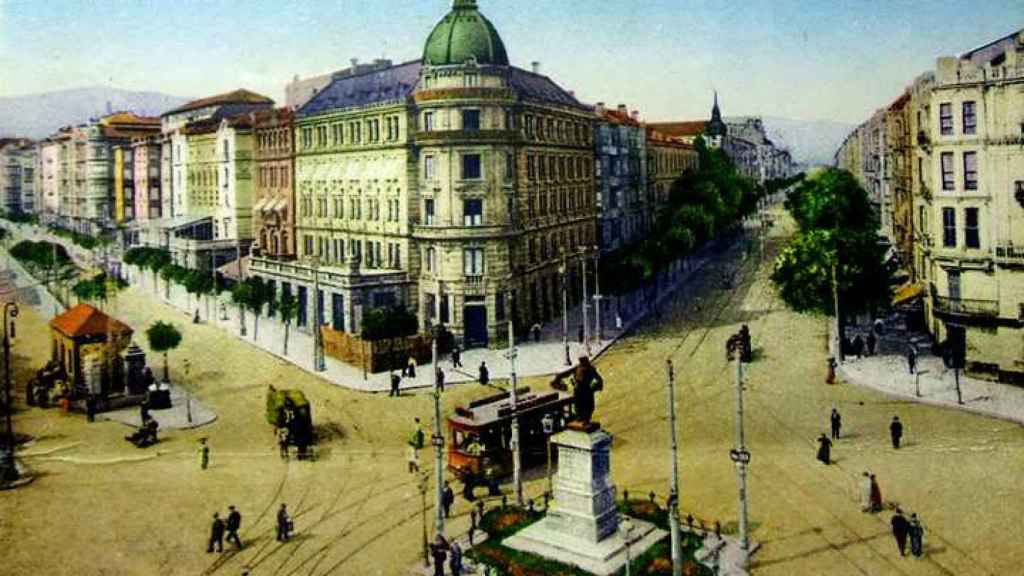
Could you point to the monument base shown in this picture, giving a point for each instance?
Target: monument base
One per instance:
(601, 558)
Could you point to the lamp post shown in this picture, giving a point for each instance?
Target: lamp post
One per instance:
(423, 508)
(548, 425)
(562, 269)
(8, 468)
(597, 292)
(438, 441)
(318, 339)
(188, 392)
(517, 477)
(741, 457)
(673, 509)
(584, 303)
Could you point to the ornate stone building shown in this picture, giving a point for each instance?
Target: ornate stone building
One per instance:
(273, 214)
(18, 161)
(621, 162)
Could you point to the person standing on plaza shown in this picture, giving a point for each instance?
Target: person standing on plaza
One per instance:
(872, 342)
(916, 533)
(900, 530)
(876, 495)
(485, 375)
(233, 525)
(866, 490)
(284, 524)
(396, 381)
(837, 423)
(413, 456)
(535, 330)
(410, 367)
(440, 379)
(204, 454)
(858, 346)
(438, 551)
(447, 499)
(579, 333)
(282, 442)
(896, 432)
(216, 534)
(455, 562)
(824, 449)
(456, 357)
(912, 358)
(90, 408)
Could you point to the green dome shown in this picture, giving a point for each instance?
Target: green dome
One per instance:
(464, 34)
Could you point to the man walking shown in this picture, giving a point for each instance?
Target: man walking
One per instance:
(456, 357)
(440, 379)
(876, 494)
(837, 423)
(284, 524)
(916, 536)
(204, 454)
(447, 499)
(396, 381)
(233, 524)
(900, 529)
(455, 561)
(872, 342)
(912, 358)
(283, 440)
(485, 375)
(439, 553)
(216, 534)
(896, 432)
(410, 367)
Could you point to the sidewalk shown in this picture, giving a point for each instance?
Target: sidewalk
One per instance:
(934, 384)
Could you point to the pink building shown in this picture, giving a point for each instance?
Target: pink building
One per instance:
(146, 166)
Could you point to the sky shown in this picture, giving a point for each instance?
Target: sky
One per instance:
(821, 60)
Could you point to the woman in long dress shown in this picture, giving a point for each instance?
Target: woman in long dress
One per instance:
(865, 493)
(876, 495)
(824, 449)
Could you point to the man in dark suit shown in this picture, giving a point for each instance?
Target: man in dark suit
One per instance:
(900, 529)
(234, 523)
(896, 432)
(216, 534)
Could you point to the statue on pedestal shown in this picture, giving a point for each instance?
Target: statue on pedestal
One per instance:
(586, 381)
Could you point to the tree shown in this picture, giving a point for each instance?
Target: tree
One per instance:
(242, 295)
(288, 306)
(260, 293)
(163, 338)
(385, 323)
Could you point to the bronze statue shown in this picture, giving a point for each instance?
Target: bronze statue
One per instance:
(586, 381)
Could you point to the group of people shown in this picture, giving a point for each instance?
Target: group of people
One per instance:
(442, 550)
(836, 422)
(221, 527)
(483, 374)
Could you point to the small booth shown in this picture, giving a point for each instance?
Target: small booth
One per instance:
(87, 346)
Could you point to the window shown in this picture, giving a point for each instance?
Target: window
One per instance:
(949, 228)
(970, 118)
(472, 80)
(948, 181)
(971, 170)
(473, 212)
(471, 120)
(428, 211)
(972, 237)
(307, 241)
(429, 167)
(471, 167)
(337, 134)
(473, 261)
(499, 306)
(430, 256)
(510, 166)
(946, 118)
(301, 317)
(428, 121)
(339, 250)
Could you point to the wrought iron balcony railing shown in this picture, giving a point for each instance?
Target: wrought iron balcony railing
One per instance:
(966, 307)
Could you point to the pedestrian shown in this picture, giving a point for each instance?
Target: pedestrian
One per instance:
(876, 495)
(916, 533)
(204, 454)
(872, 342)
(579, 333)
(284, 524)
(418, 436)
(824, 449)
(90, 408)
(455, 562)
(440, 379)
(195, 317)
(485, 375)
(396, 381)
(535, 330)
(456, 357)
(447, 499)
(900, 530)
(282, 442)
(858, 346)
(410, 367)
(233, 524)
(879, 326)
(896, 432)
(866, 490)
(438, 553)
(912, 358)
(414, 459)
(837, 423)
(216, 534)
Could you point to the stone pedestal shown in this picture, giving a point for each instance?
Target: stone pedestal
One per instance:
(582, 525)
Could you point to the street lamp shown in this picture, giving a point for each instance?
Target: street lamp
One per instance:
(437, 440)
(517, 478)
(626, 527)
(741, 457)
(188, 392)
(586, 321)
(548, 425)
(318, 339)
(562, 269)
(423, 483)
(597, 292)
(8, 468)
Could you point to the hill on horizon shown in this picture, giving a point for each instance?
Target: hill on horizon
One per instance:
(39, 115)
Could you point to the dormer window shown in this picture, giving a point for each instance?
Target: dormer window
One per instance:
(472, 80)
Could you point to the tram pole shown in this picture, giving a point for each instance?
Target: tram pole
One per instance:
(741, 457)
(673, 509)
(517, 477)
(438, 442)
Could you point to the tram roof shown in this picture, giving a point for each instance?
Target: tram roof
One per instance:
(497, 408)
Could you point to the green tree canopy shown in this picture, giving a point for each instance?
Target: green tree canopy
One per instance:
(385, 323)
(163, 337)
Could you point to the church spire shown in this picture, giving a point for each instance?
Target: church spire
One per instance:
(464, 5)
(716, 113)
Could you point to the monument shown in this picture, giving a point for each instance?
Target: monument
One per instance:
(581, 527)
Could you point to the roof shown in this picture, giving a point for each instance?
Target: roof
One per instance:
(538, 87)
(464, 34)
(231, 269)
(272, 117)
(130, 118)
(617, 117)
(240, 96)
(207, 126)
(393, 83)
(498, 408)
(680, 129)
(85, 320)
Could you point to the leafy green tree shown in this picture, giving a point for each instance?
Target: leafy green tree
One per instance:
(260, 293)
(242, 296)
(163, 338)
(288, 306)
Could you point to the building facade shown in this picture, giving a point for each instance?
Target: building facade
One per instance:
(48, 176)
(18, 163)
(620, 144)
(273, 214)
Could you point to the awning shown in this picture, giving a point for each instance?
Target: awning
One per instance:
(908, 292)
(231, 269)
(261, 205)
(279, 205)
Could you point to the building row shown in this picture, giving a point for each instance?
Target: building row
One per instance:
(944, 165)
(456, 185)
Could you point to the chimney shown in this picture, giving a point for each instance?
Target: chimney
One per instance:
(599, 108)
(535, 66)
(623, 110)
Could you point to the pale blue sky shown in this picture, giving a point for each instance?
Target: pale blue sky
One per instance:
(832, 59)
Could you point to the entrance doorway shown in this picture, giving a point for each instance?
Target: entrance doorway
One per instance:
(474, 323)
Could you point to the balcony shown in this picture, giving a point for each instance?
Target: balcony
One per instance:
(964, 308)
(1010, 255)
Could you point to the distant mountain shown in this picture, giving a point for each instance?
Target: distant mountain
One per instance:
(810, 141)
(39, 115)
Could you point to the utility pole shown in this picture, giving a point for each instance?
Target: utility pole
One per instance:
(8, 467)
(586, 322)
(241, 306)
(563, 268)
(741, 457)
(597, 293)
(318, 338)
(438, 441)
(673, 509)
(517, 477)
(835, 307)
